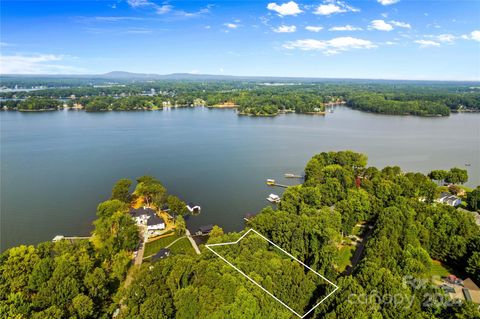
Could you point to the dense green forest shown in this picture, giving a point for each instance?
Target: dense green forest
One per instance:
(256, 98)
(311, 222)
(314, 222)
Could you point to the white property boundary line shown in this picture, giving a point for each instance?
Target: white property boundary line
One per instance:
(256, 283)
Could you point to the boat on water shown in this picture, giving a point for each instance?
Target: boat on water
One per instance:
(270, 181)
(468, 164)
(272, 198)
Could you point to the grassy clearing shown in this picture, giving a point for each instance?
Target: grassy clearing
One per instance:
(342, 260)
(153, 247)
(183, 246)
(465, 188)
(437, 269)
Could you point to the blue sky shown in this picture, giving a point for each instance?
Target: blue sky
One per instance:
(385, 39)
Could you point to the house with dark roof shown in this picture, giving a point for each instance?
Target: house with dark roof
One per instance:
(147, 217)
(204, 230)
(155, 223)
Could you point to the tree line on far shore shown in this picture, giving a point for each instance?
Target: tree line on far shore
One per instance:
(253, 98)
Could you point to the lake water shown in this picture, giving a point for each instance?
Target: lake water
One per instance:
(57, 166)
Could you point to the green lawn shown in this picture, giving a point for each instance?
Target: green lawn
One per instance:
(437, 269)
(183, 246)
(342, 260)
(153, 247)
(465, 188)
(357, 231)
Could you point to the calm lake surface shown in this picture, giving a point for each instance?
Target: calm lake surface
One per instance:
(57, 166)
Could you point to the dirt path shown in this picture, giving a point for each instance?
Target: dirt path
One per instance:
(358, 252)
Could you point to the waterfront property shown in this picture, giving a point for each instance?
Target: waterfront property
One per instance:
(449, 199)
(147, 217)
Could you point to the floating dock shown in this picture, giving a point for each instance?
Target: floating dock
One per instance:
(291, 175)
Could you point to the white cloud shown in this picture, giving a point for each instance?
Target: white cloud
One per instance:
(427, 43)
(285, 29)
(401, 24)
(380, 25)
(387, 2)
(140, 3)
(329, 47)
(166, 8)
(446, 38)
(475, 35)
(286, 9)
(345, 28)
(146, 3)
(163, 9)
(35, 64)
(333, 6)
(231, 25)
(313, 28)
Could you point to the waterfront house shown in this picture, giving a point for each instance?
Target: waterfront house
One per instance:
(155, 223)
(147, 217)
(449, 199)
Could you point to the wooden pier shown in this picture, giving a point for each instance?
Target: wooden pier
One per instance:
(69, 238)
(279, 185)
(290, 175)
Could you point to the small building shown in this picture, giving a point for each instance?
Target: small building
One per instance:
(163, 253)
(449, 199)
(204, 230)
(193, 208)
(272, 198)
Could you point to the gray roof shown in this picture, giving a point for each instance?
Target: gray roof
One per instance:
(154, 220)
(164, 252)
(206, 229)
(137, 212)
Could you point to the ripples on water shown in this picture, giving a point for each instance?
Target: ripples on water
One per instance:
(57, 166)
